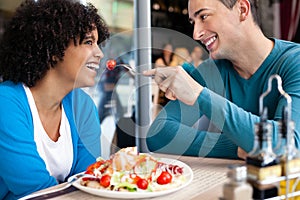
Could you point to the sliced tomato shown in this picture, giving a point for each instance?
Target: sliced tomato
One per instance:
(105, 180)
(135, 178)
(175, 169)
(89, 172)
(101, 165)
(164, 178)
(95, 165)
(142, 184)
(90, 179)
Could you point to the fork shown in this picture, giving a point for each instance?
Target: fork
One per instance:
(111, 64)
(58, 188)
(130, 68)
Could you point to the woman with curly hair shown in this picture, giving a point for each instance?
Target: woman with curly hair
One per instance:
(49, 127)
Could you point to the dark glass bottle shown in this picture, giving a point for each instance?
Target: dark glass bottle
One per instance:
(262, 162)
(262, 155)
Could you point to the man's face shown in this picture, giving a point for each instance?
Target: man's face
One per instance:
(215, 26)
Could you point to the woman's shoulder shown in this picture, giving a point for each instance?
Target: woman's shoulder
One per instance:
(13, 98)
(9, 90)
(78, 98)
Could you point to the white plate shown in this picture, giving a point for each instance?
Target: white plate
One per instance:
(188, 173)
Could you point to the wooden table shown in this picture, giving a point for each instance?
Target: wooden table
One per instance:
(209, 176)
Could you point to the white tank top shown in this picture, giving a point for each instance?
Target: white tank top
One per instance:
(58, 156)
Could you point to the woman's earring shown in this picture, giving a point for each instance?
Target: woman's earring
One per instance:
(54, 59)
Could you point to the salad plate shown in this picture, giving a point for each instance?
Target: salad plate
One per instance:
(103, 192)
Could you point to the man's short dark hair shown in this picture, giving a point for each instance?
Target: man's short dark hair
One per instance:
(254, 8)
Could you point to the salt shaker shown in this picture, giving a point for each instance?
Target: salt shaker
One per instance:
(237, 188)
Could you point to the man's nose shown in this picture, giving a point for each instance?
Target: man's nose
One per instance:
(198, 31)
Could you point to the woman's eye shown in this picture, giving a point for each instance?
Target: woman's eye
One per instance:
(89, 42)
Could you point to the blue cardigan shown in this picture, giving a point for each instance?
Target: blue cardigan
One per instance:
(22, 170)
(231, 105)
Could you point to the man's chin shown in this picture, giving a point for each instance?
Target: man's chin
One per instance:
(214, 55)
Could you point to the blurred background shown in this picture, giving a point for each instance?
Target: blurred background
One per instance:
(172, 14)
(115, 92)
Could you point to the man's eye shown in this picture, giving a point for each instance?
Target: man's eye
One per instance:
(203, 17)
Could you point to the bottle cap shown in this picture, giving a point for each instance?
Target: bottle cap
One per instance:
(237, 172)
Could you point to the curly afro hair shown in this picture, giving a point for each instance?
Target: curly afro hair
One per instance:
(42, 30)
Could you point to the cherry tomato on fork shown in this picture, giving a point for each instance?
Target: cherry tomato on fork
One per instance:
(164, 178)
(111, 64)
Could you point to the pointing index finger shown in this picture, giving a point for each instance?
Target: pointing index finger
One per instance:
(150, 72)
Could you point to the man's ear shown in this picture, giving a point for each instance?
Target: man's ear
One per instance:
(244, 7)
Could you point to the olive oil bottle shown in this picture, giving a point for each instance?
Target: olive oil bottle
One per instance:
(288, 154)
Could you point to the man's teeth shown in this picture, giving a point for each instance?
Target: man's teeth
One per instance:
(211, 40)
(92, 66)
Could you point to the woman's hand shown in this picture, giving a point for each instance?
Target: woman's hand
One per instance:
(176, 83)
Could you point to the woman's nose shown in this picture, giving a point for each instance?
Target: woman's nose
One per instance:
(98, 53)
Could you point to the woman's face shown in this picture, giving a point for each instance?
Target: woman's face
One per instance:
(81, 62)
